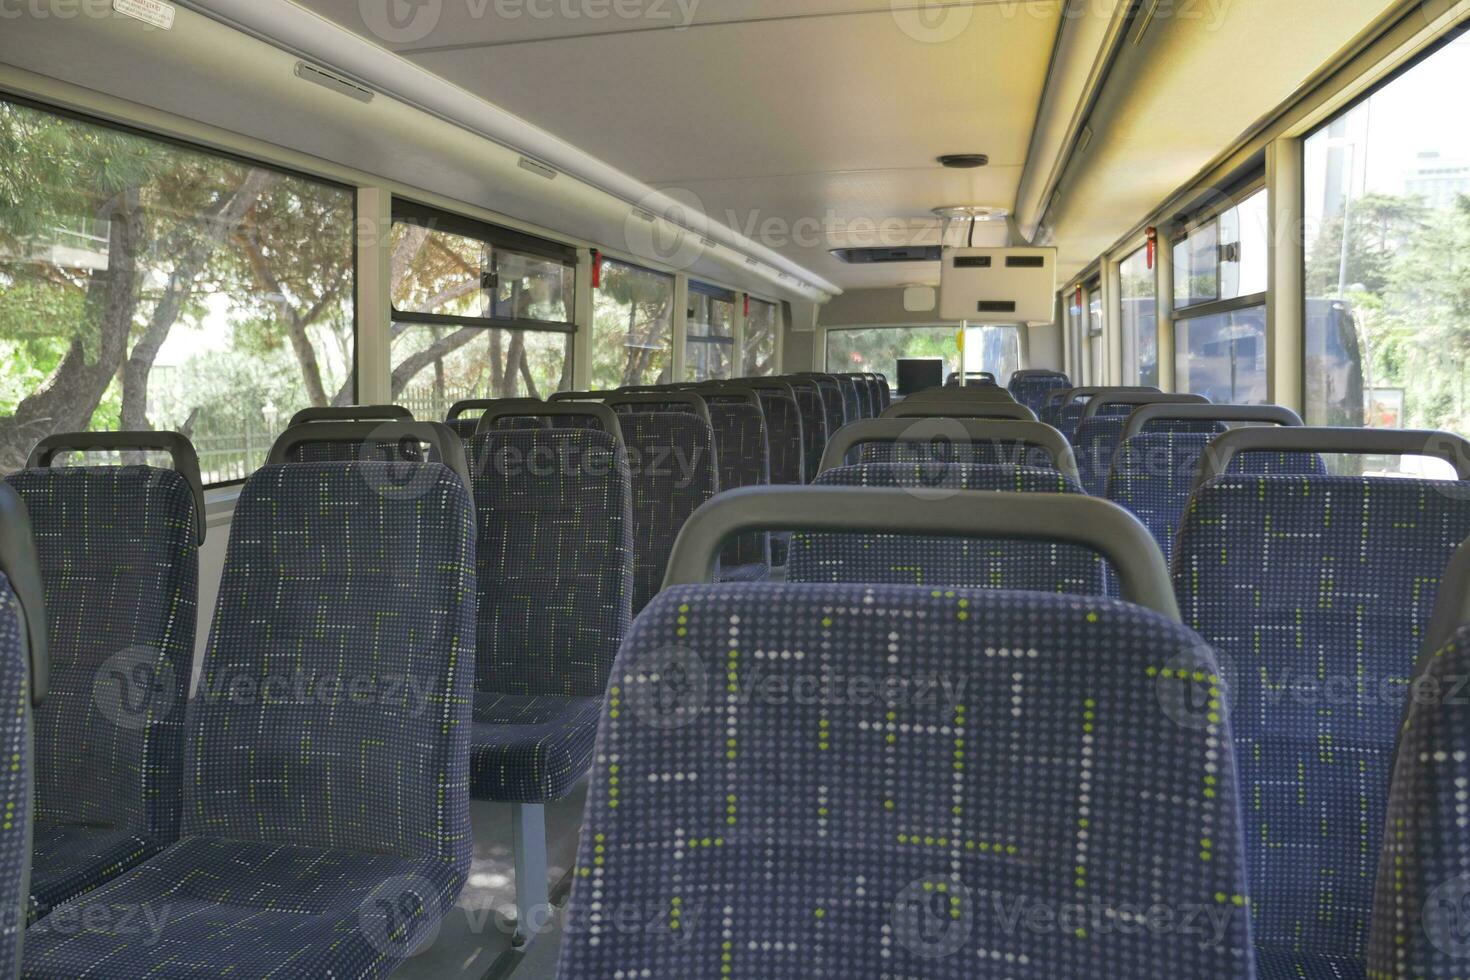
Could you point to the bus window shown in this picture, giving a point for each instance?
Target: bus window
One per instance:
(1387, 245)
(149, 285)
(632, 335)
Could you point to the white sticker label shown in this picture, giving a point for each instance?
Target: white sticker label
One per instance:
(154, 12)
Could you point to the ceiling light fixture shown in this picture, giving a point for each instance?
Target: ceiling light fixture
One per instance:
(971, 212)
(964, 161)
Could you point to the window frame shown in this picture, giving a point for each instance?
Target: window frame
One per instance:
(1181, 232)
(712, 293)
(407, 211)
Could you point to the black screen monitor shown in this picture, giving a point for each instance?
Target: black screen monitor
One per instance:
(917, 373)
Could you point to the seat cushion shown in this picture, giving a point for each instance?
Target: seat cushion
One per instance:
(530, 749)
(745, 573)
(212, 907)
(1281, 965)
(70, 860)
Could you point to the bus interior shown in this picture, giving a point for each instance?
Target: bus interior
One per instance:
(715, 489)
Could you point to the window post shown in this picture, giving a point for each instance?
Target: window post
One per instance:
(585, 318)
(1285, 303)
(374, 296)
(1112, 288)
(1164, 268)
(679, 342)
(738, 331)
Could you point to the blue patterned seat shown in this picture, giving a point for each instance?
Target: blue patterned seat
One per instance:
(1315, 592)
(744, 455)
(1097, 442)
(1000, 768)
(1423, 891)
(907, 560)
(325, 780)
(1153, 476)
(673, 462)
(852, 406)
(119, 561)
(554, 574)
(832, 404)
(1031, 388)
(813, 424)
(15, 786)
(554, 569)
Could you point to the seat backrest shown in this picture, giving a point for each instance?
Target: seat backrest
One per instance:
(1315, 591)
(16, 784)
(814, 432)
(745, 461)
(1030, 388)
(1153, 475)
(118, 552)
(1423, 885)
(675, 470)
(784, 431)
(975, 563)
(851, 405)
(553, 559)
(966, 758)
(1101, 430)
(832, 404)
(334, 703)
(24, 668)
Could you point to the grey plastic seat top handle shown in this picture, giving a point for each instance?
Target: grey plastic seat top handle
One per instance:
(927, 430)
(461, 408)
(22, 567)
(596, 410)
(1099, 402)
(693, 400)
(1092, 391)
(1090, 522)
(354, 413)
(178, 447)
(1217, 457)
(580, 396)
(729, 390)
(960, 410)
(1182, 412)
(438, 436)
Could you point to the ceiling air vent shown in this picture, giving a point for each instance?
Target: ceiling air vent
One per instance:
(538, 168)
(883, 256)
(328, 80)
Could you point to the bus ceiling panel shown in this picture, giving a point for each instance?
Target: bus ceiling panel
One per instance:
(1179, 96)
(430, 137)
(800, 144)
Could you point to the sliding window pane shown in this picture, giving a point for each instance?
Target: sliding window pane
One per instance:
(709, 345)
(528, 287)
(1196, 269)
(1388, 254)
(633, 315)
(1243, 256)
(438, 272)
(1223, 357)
(434, 366)
(1140, 319)
(760, 338)
(146, 285)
